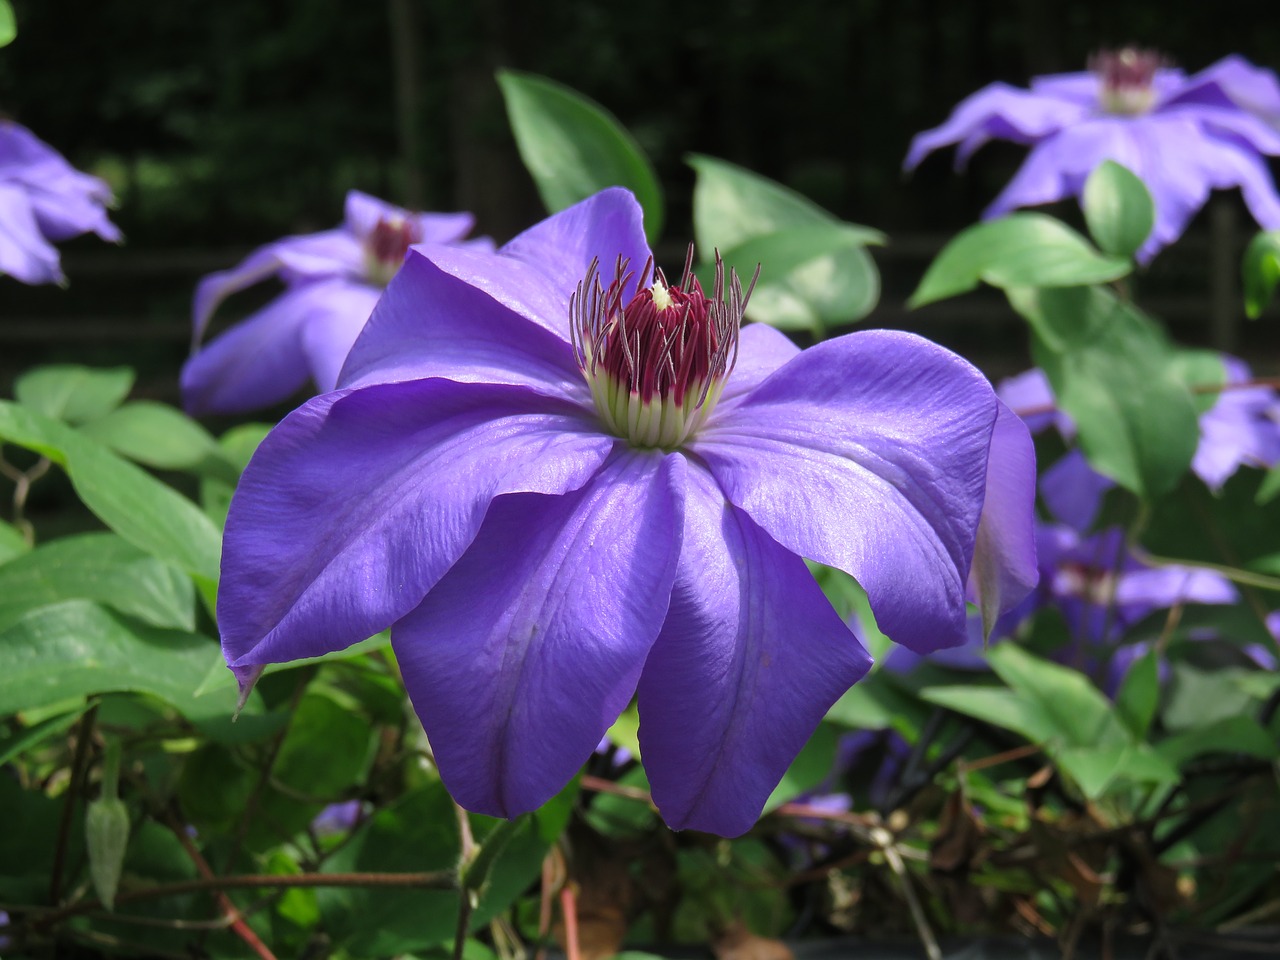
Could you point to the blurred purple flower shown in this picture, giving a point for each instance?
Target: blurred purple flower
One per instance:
(1101, 589)
(1242, 428)
(1183, 136)
(43, 198)
(332, 281)
(551, 489)
(338, 818)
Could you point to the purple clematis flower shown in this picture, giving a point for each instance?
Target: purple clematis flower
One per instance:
(1102, 590)
(332, 279)
(43, 198)
(569, 483)
(1242, 428)
(1183, 136)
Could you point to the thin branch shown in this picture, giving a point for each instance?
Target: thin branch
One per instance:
(78, 774)
(433, 880)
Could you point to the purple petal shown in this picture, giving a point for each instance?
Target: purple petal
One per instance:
(1240, 428)
(603, 227)
(1190, 164)
(1031, 398)
(971, 656)
(1237, 81)
(24, 252)
(762, 349)
(1002, 112)
(65, 201)
(749, 661)
(1230, 122)
(358, 502)
(331, 254)
(1157, 588)
(255, 363)
(1081, 87)
(1058, 167)
(868, 453)
(525, 653)
(362, 213)
(303, 334)
(445, 227)
(1004, 559)
(1073, 490)
(534, 274)
(337, 317)
(465, 334)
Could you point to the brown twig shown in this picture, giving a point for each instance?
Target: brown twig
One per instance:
(229, 910)
(78, 773)
(600, 785)
(434, 880)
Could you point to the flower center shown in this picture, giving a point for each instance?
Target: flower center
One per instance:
(656, 365)
(1091, 584)
(1127, 78)
(385, 247)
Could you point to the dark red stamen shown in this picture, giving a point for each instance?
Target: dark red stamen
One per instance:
(391, 240)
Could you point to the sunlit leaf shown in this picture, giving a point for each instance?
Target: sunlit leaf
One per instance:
(1261, 271)
(815, 271)
(1020, 250)
(573, 147)
(73, 393)
(1118, 209)
(130, 501)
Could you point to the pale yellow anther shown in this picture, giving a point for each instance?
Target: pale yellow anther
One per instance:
(661, 298)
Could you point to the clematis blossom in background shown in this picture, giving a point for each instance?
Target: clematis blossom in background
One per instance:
(44, 199)
(1102, 590)
(570, 482)
(332, 280)
(1182, 135)
(1242, 428)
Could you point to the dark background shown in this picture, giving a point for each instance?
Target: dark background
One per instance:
(225, 125)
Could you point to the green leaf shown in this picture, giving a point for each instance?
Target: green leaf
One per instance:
(101, 567)
(12, 542)
(327, 749)
(1261, 269)
(1020, 250)
(237, 445)
(625, 731)
(861, 708)
(1000, 708)
(574, 148)
(1238, 734)
(1269, 488)
(1139, 694)
(1112, 370)
(1098, 768)
(814, 270)
(73, 393)
(1062, 698)
(76, 649)
(417, 833)
(8, 24)
(27, 853)
(1118, 209)
(1202, 698)
(1200, 368)
(130, 501)
(19, 743)
(160, 436)
(810, 767)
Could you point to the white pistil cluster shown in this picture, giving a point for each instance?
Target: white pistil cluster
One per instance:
(1127, 79)
(385, 248)
(658, 364)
